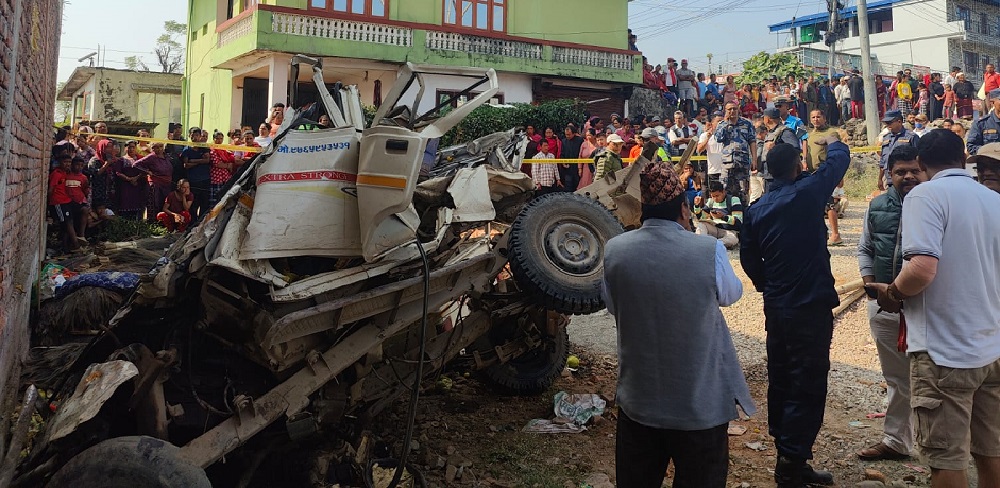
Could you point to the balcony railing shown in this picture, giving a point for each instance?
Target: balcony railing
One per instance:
(599, 59)
(237, 30)
(346, 30)
(977, 31)
(449, 41)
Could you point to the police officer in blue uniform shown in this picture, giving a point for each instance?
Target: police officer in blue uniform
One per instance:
(897, 136)
(986, 129)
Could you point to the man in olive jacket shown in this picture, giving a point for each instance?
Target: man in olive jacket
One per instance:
(880, 260)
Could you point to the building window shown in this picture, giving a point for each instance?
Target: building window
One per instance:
(984, 61)
(971, 61)
(453, 97)
(372, 8)
(880, 21)
(488, 15)
(984, 25)
(964, 14)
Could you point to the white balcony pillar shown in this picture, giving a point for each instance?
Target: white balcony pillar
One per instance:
(277, 91)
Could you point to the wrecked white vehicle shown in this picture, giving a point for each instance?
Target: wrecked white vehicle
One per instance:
(329, 280)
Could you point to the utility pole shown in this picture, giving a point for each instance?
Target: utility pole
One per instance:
(832, 33)
(871, 111)
(709, 56)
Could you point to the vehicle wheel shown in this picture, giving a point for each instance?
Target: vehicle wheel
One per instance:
(129, 462)
(533, 372)
(557, 251)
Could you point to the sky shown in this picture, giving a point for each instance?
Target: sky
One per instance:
(732, 30)
(121, 27)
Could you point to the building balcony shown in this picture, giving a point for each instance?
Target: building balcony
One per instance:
(978, 32)
(276, 29)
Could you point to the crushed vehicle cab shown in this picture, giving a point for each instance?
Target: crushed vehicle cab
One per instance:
(341, 266)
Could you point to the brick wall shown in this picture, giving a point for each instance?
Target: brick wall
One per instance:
(29, 50)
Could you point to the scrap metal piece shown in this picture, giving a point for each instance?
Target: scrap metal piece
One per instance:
(99, 383)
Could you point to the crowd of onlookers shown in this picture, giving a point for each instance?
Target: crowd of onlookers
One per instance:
(97, 177)
(932, 95)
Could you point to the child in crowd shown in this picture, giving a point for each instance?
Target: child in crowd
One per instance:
(78, 189)
(545, 175)
(923, 99)
(98, 217)
(60, 203)
(949, 102)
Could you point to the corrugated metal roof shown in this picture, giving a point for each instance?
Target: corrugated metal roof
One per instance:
(847, 13)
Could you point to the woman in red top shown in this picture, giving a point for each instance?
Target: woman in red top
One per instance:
(223, 165)
(555, 145)
(176, 214)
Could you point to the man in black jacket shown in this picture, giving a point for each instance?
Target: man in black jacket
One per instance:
(857, 85)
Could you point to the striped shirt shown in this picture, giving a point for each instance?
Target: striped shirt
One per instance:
(545, 174)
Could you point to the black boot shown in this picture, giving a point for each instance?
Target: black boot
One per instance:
(796, 473)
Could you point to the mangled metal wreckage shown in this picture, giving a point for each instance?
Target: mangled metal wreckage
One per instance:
(295, 311)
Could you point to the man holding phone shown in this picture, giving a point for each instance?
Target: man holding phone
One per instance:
(880, 260)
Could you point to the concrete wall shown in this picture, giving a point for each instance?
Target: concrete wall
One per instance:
(30, 30)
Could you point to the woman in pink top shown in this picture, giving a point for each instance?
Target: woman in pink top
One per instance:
(586, 170)
(161, 173)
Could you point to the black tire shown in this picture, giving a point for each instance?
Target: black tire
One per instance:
(533, 372)
(130, 462)
(557, 251)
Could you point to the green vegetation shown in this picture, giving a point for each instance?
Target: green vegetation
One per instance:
(488, 119)
(860, 183)
(762, 66)
(121, 230)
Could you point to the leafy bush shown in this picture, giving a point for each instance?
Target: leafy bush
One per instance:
(121, 230)
(488, 119)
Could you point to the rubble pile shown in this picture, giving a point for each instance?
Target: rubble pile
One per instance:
(857, 133)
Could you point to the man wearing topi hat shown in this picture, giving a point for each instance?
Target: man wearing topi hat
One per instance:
(783, 251)
(679, 380)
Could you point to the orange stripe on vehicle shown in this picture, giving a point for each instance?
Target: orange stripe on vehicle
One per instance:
(386, 181)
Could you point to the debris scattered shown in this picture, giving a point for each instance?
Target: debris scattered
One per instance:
(876, 415)
(875, 475)
(756, 446)
(736, 430)
(572, 414)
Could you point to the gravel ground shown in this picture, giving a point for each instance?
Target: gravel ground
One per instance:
(856, 384)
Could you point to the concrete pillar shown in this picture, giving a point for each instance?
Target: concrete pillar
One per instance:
(278, 81)
(236, 111)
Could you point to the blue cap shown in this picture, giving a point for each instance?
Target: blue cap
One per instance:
(994, 93)
(892, 115)
(772, 112)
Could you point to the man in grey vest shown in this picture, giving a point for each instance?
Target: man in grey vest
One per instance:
(679, 381)
(880, 259)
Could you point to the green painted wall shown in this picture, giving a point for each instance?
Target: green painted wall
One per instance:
(200, 77)
(601, 23)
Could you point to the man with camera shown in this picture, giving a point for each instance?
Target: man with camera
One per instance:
(880, 259)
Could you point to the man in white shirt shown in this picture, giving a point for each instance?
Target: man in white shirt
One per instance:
(712, 148)
(951, 78)
(843, 95)
(951, 286)
(687, 88)
(682, 133)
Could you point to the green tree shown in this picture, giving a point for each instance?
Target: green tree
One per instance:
(64, 108)
(762, 66)
(169, 50)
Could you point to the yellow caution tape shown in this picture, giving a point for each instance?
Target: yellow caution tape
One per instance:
(121, 138)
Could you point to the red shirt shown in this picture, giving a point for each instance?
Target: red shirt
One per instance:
(174, 203)
(992, 81)
(77, 186)
(57, 185)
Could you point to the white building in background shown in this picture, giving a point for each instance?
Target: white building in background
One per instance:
(925, 35)
(124, 98)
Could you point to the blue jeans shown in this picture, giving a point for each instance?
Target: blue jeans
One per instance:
(798, 362)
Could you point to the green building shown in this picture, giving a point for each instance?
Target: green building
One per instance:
(238, 51)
